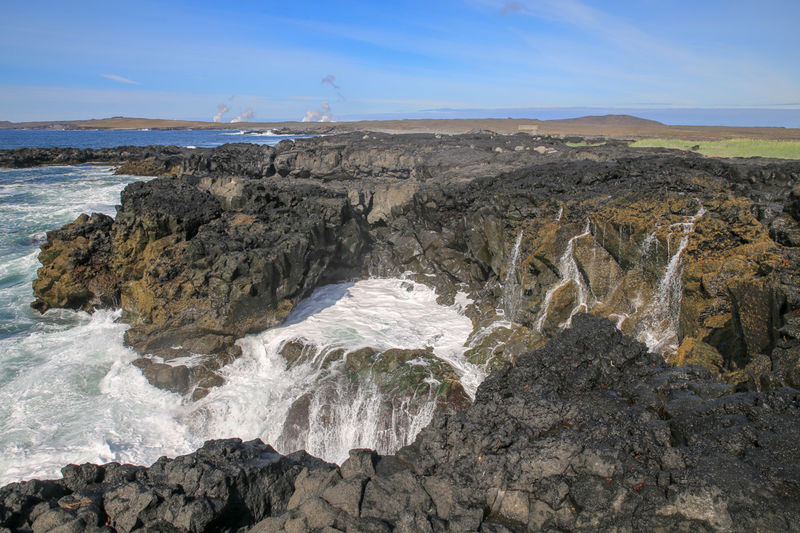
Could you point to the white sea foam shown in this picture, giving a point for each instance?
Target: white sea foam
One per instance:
(376, 313)
(54, 368)
(70, 395)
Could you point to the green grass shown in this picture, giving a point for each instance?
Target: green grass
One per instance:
(729, 148)
(585, 143)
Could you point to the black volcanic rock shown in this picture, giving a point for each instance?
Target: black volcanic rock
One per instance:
(229, 239)
(593, 433)
(223, 486)
(589, 433)
(136, 160)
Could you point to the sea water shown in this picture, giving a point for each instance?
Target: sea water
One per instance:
(68, 391)
(111, 138)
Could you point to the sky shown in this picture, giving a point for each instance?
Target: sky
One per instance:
(263, 60)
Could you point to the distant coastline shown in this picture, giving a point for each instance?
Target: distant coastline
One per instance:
(612, 126)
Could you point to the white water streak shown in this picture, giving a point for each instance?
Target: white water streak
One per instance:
(658, 328)
(569, 272)
(511, 288)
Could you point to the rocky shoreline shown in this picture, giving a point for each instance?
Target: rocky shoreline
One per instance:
(588, 433)
(230, 239)
(696, 257)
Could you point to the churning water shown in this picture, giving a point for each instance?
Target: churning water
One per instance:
(68, 393)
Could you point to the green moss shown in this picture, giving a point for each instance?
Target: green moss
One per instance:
(729, 147)
(48, 256)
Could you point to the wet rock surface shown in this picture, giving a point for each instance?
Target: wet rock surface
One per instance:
(590, 432)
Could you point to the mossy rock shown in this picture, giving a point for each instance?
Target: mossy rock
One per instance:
(500, 346)
(695, 352)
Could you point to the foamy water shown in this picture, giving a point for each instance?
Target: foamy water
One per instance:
(68, 393)
(375, 313)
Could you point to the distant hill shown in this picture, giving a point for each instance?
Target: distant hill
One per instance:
(613, 126)
(609, 120)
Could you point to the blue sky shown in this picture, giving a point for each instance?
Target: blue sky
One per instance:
(183, 59)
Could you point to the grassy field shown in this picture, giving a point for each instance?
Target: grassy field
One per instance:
(729, 148)
(585, 143)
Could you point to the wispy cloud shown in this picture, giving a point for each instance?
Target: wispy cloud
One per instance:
(511, 6)
(330, 80)
(120, 79)
(636, 54)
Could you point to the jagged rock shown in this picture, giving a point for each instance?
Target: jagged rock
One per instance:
(223, 486)
(136, 160)
(694, 352)
(243, 232)
(76, 263)
(590, 432)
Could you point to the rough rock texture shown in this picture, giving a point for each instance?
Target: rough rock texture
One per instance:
(223, 486)
(77, 261)
(692, 254)
(589, 433)
(136, 160)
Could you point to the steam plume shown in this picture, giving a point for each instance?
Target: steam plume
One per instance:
(222, 109)
(323, 114)
(244, 116)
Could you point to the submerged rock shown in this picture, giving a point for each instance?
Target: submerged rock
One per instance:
(590, 432)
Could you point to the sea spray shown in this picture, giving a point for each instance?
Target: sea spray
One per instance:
(70, 395)
(658, 327)
(261, 389)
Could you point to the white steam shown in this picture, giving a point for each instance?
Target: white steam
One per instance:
(244, 116)
(323, 114)
(221, 110)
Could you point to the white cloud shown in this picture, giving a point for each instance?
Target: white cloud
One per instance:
(119, 79)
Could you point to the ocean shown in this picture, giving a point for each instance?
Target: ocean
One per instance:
(111, 138)
(68, 393)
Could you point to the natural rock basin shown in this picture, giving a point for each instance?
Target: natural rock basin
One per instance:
(372, 365)
(360, 364)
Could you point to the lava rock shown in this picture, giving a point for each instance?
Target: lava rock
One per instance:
(590, 432)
